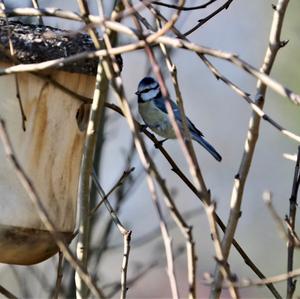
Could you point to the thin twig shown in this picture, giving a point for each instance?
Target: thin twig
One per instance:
(121, 196)
(124, 232)
(184, 8)
(209, 17)
(267, 197)
(117, 286)
(291, 219)
(12, 54)
(60, 13)
(296, 239)
(246, 283)
(45, 12)
(18, 95)
(155, 263)
(127, 238)
(7, 293)
(35, 4)
(283, 233)
(224, 266)
(120, 181)
(114, 216)
(152, 235)
(59, 275)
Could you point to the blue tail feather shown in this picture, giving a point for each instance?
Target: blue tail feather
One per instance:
(207, 146)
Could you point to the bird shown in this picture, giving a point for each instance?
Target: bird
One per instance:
(152, 108)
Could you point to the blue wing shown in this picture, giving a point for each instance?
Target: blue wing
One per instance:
(160, 103)
(196, 134)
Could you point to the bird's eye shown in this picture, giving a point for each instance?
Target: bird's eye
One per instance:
(146, 90)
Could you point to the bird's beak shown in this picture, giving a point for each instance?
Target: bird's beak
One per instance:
(137, 93)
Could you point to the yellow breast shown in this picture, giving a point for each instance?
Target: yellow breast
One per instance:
(156, 120)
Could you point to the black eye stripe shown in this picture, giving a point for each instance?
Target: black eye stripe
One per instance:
(148, 89)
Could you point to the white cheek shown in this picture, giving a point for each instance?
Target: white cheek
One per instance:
(147, 96)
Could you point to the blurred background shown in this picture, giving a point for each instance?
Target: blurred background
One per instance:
(223, 118)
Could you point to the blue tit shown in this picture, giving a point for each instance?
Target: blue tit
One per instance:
(153, 110)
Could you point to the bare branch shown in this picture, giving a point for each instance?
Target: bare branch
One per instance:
(127, 239)
(291, 219)
(124, 232)
(224, 266)
(267, 197)
(209, 17)
(245, 283)
(12, 54)
(35, 4)
(59, 275)
(120, 181)
(184, 8)
(47, 12)
(7, 293)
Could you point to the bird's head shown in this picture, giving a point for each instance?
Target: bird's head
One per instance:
(148, 89)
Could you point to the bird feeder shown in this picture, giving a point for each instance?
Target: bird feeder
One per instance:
(48, 144)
